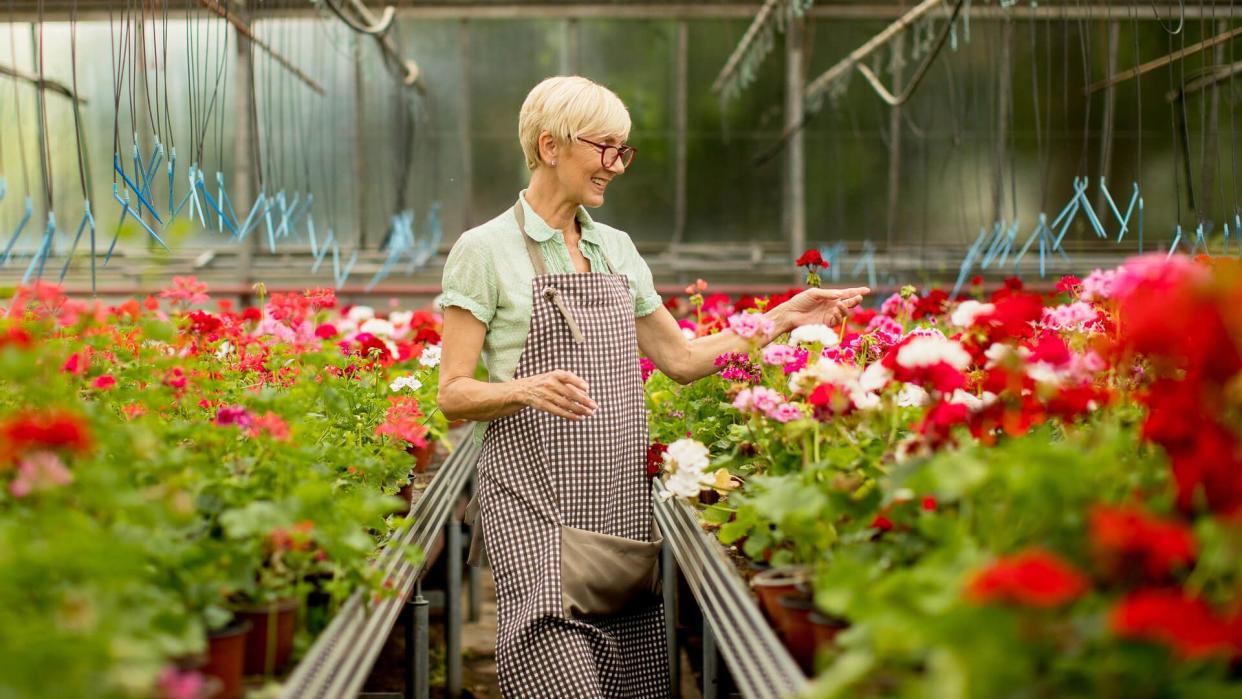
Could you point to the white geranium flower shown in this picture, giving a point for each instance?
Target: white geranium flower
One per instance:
(967, 311)
(927, 350)
(684, 484)
(805, 380)
(377, 327)
(400, 318)
(224, 350)
(405, 382)
(816, 332)
(875, 377)
(1043, 372)
(865, 400)
(358, 314)
(430, 356)
(972, 402)
(687, 454)
(912, 395)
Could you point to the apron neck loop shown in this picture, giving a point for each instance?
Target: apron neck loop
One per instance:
(532, 248)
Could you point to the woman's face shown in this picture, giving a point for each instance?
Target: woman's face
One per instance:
(582, 172)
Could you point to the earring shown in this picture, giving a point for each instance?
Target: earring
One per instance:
(553, 163)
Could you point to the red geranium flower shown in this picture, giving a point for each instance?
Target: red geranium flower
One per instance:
(811, 258)
(104, 382)
(1171, 618)
(1033, 578)
(30, 430)
(655, 459)
(1127, 537)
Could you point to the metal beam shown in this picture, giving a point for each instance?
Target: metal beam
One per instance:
(97, 10)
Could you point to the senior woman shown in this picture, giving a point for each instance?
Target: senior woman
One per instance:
(559, 305)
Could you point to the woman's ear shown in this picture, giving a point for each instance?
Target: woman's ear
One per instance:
(547, 148)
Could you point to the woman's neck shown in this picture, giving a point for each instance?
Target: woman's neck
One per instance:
(545, 199)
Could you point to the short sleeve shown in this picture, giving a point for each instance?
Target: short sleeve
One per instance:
(646, 300)
(470, 279)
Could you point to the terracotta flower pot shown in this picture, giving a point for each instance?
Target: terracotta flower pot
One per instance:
(270, 641)
(797, 630)
(825, 629)
(226, 652)
(771, 584)
(423, 456)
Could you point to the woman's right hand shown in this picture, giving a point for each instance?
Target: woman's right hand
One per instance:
(558, 393)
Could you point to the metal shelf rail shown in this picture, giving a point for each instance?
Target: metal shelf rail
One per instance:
(341, 658)
(734, 626)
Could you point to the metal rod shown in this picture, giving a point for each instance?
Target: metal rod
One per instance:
(452, 609)
(1163, 61)
(43, 83)
(752, 32)
(842, 68)
(422, 650)
(668, 588)
(244, 30)
(1217, 75)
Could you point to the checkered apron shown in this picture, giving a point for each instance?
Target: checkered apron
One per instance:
(537, 472)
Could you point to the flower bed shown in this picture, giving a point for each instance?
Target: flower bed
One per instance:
(981, 495)
(165, 470)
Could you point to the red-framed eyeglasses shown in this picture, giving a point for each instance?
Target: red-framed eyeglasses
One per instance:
(609, 154)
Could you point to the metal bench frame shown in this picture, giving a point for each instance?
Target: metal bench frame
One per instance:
(341, 658)
(733, 626)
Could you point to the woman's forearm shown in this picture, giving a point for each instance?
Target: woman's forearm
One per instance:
(700, 358)
(467, 398)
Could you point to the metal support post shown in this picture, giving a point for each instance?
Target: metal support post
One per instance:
(668, 587)
(452, 608)
(420, 663)
(711, 663)
(795, 183)
(407, 620)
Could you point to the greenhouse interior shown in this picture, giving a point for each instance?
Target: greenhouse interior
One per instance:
(904, 359)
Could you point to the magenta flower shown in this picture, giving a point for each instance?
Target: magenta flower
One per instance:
(234, 415)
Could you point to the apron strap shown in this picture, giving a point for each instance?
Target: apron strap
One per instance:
(536, 257)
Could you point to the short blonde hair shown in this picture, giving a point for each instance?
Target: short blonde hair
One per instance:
(568, 107)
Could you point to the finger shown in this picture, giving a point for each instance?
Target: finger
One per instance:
(576, 395)
(567, 377)
(554, 407)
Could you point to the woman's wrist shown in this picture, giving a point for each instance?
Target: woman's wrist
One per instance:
(781, 322)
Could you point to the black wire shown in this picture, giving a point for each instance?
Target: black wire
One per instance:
(205, 127)
(45, 148)
(1181, 18)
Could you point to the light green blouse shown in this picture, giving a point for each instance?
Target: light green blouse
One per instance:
(489, 273)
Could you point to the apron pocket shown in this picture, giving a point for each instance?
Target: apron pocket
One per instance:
(602, 574)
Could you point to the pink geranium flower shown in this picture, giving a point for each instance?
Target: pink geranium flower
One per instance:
(41, 470)
(186, 290)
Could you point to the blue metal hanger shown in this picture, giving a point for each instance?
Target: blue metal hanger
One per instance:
(17, 232)
(45, 247)
(87, 219)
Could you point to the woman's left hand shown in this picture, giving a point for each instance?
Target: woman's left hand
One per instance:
(824, 306)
